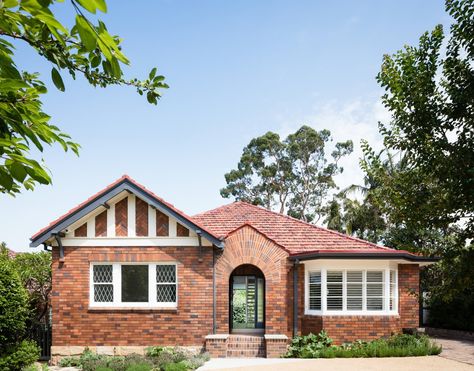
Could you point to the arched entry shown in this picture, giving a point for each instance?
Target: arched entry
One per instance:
(247, 299)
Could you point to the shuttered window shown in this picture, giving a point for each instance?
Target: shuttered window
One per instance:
(352, 291)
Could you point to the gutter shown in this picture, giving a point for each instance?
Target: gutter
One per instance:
(366, 255)
(295, 297)
(57, 237)
(214, 302)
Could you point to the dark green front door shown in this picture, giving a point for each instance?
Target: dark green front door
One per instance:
(247, 307)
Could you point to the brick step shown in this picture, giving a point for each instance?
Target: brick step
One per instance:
(245, 353)
(244, 346)
(246, 338)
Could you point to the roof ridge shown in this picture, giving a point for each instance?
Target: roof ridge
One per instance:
(250, 225)
(316, 226)
(214, 209)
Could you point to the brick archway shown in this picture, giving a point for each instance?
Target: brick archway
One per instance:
(248, 246)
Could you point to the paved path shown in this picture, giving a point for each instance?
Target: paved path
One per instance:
(459, 350)
(433, 363)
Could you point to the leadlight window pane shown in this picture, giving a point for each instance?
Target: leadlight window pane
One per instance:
(315, 291)
(103, 293)
(134, 283)
(334, 290)
(102, 280)
(166, 283)
(102, 273)
(166, 273)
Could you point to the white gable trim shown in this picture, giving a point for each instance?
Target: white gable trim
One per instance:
(132, 241)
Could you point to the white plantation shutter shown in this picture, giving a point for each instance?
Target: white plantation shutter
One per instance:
(315, 290)
(334, 290)
(354, 290)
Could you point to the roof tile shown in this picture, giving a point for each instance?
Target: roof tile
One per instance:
(294, 235)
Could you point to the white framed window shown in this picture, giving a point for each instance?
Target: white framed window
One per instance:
(333, 289)
(134, 285)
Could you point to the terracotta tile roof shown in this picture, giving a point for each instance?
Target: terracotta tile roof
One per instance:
(294, 235)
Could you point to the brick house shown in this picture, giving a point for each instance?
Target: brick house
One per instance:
(130, 270)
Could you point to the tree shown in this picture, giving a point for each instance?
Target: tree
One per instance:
(427, 195)
(292, 175)
(87, 50)
(313, 175)
(429, 95)
(34, 270)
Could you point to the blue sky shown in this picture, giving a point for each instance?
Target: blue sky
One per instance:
(236, 69)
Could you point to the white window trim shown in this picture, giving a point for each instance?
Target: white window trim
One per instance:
(323, 267)
(117, 287)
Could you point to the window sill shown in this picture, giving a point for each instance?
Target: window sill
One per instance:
(351, 313)
(133, 309)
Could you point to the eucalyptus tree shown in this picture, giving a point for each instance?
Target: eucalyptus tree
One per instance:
(292, 176)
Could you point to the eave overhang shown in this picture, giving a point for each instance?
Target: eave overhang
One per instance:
(124, 185)
(379, 255)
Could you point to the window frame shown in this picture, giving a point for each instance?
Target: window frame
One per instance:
(323, 267)
(152, 303)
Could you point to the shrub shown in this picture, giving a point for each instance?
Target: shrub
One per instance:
(18, 356)
(157, 358)
(180, 366)
(308, 346)
(15, 353)
(403, 345)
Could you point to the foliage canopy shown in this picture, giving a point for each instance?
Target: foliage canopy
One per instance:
(86, 49)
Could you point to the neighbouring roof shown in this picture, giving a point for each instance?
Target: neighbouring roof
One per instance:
(11, 253)
(300, 239)
(125, 183)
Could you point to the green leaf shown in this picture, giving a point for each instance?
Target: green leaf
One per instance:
(18, 171)
(89, 5)
(51, 21)
(101, 5)
(12, 84)
(58, 81)
(88, 36)
(152, 73)
(10, 3)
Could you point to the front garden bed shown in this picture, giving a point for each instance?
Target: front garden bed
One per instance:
(401, 345)
(155, 359)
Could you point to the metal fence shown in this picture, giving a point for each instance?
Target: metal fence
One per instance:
(42, 334)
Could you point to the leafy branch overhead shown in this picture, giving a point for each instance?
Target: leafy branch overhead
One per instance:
(294, 175)
(87, 50)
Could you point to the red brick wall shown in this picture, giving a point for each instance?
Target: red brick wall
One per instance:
(100, 224)
(408, 291)
(121, 218)
(344, 329)
(141, 217)
(247, 246)
(75, 324)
